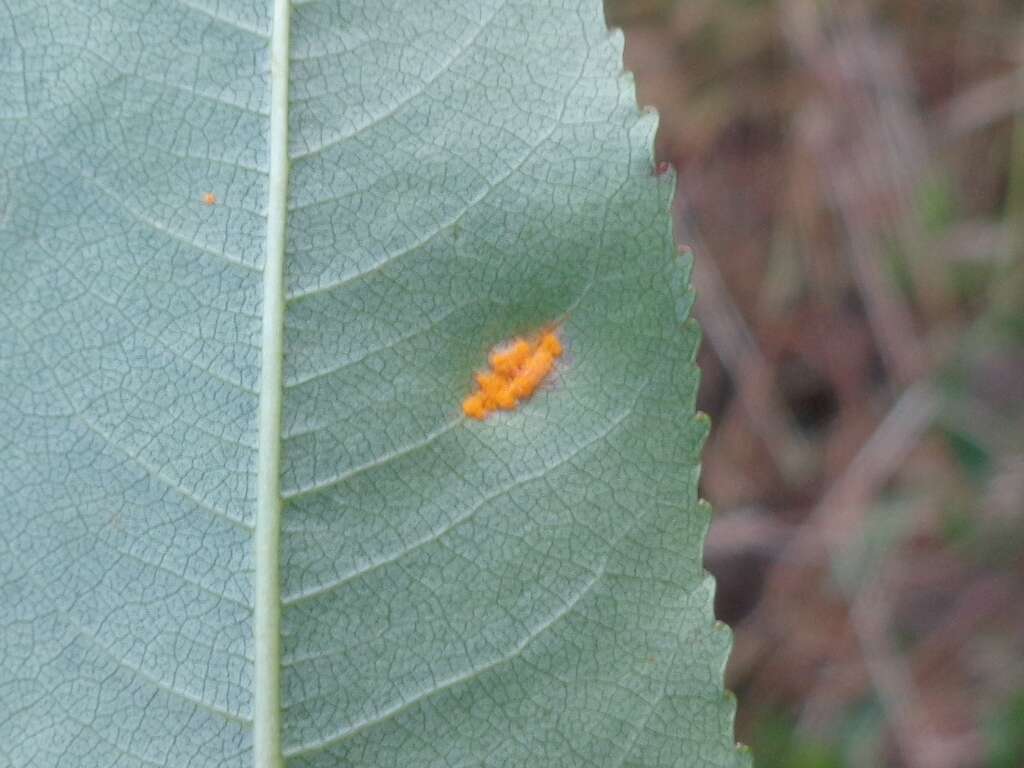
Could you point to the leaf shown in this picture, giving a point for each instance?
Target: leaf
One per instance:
(243, 513)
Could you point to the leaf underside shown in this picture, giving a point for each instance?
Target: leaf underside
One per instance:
(524, 591)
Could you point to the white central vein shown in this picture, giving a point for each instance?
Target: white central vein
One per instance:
(267, 608)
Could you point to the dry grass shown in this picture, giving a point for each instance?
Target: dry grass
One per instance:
(851, 177)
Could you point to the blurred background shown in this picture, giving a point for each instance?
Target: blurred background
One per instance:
(850, 176)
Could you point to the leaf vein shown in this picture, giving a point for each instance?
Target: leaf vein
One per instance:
(154, 472)
(450, 682)
(229, 22)
(460, 520)
(456, 54)
(289, 496)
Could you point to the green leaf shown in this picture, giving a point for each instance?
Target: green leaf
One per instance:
(248, 273)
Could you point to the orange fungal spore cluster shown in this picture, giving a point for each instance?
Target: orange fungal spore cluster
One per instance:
(516, 372)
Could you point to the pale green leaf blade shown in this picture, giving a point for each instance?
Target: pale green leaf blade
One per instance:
(523, 591)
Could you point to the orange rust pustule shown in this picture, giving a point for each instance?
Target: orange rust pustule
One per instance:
(475, 406)
(517, 370)
(532, 373)
(496, 391)
(507, 361)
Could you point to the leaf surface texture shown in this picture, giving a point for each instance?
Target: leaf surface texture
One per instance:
(524, 591)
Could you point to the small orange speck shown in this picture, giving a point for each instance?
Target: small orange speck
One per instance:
(210, 199)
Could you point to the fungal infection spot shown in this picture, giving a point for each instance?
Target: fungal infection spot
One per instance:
(517, 370)
(507, 361)
(209, 199)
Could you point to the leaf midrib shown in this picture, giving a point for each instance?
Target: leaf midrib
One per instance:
(266, 556)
